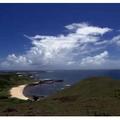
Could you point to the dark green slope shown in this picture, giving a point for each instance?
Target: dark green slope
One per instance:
(93, 96)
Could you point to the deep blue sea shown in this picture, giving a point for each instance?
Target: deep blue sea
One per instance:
(70, 77)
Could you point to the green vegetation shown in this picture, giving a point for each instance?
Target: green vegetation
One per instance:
(8, 80)
(92, 96)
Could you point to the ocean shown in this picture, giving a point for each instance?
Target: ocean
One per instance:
(70, 77)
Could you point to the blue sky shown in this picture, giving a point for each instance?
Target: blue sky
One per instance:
(59, 36)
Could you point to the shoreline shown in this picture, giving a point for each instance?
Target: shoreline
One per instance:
(17, 92)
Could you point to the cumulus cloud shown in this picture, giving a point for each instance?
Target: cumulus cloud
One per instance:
(16, 62)
(60, 51)
(95, 60)
(86, 29)
(116, 40)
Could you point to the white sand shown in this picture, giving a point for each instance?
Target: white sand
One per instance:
(17, 92)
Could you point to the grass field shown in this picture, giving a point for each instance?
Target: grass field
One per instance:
(90, 97)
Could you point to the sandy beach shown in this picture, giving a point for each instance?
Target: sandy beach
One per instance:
(17, 92)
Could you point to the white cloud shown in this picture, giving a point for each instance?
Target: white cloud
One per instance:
(95, 60)
(116, 40)
(62, 50)
(101, 42)
(13, 61)
(86, 29)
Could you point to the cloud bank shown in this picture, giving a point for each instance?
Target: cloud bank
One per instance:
(84, 47)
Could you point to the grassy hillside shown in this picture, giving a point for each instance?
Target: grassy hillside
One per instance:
(92, 96)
